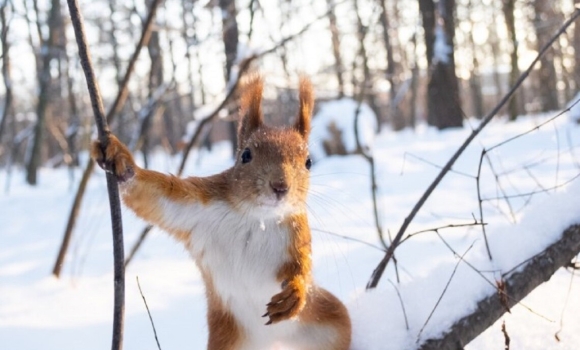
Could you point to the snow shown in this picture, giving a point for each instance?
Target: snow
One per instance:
(441, 48)
(38, 311)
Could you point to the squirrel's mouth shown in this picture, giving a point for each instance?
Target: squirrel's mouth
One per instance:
(271, 200)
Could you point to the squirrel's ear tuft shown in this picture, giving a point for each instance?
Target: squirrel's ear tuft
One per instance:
(251, 106)
(302, 124)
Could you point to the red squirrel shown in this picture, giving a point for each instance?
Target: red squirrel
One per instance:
(247, 230)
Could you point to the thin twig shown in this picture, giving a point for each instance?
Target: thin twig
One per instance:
(433, 164)
(369, 158)
(402, 304)
(148, 313)
(349, 238)
(526, 194)
(506, 336)
(499, 291)
(443, 293)
(437, 229)
(378, 272)
(113, 189)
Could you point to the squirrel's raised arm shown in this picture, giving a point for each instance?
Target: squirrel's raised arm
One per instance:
(155, 197)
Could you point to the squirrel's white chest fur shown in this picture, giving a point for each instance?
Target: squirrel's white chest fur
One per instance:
(242, 254)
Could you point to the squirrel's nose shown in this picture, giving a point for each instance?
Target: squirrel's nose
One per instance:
(280, 188)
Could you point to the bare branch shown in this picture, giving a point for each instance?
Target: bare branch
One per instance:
(378, 272)
(518, 285)
(113, 111)
(148, 313)
(112, 187)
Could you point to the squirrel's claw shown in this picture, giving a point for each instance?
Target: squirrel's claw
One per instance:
(285, 304)
(115, 158)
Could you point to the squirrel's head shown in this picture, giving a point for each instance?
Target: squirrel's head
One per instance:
(271, 173)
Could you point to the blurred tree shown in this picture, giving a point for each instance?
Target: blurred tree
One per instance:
(230, 38)
(395, 116)
(576, 44)
(443, 104)
(544, 26)
(335, 37)
(6, 67)
(367, 79)
(508, 13)
(48, 48)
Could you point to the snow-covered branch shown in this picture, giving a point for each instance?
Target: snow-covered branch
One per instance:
(518, 284)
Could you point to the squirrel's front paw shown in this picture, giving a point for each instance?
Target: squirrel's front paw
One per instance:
(287, 303)
(116, 158)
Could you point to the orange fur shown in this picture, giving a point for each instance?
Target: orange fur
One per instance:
(278, 158)
(306, 106)
(324, 308)
(250, 107)
(224, 332)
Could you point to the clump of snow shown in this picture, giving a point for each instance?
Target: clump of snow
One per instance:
(341, 114)
(372, 311)
(441, 48)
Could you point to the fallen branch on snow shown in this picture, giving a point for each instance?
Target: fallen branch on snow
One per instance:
(518, 284)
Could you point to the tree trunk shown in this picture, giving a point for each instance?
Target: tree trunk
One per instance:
(576, 43)
(47, 52)
(6, 69)
(443, 104)
(496, 55)
(335, 37)
(396, 117)
(156, 78)
(414, 85)
(230, 39)
(186, 13)
(517, 285)
(547, 91)
(475, 79)
(508, 12)
(368, 88)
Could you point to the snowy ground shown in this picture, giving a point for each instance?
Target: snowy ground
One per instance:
(38, 311)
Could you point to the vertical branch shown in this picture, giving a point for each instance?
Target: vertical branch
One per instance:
(113, 111)
(371, 160)
(113, 189)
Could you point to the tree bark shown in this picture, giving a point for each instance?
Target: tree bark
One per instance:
(576, 43)
(443, 104)
(475, 79)
(367, 76)
(548, 92)
(156, 78)
(517, 285)
(335, 37)
(396, 117)
(508, 12)
(47, 52)
(6, 68)
(230, 38)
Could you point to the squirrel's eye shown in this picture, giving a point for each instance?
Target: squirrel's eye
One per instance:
(308, 163)
(246, 156)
